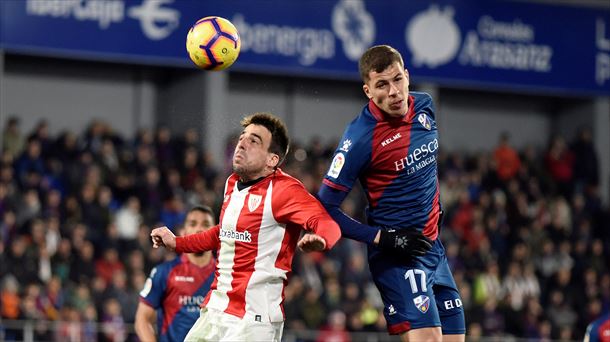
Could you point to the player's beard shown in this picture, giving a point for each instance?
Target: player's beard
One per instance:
(241, 171)
(245, 173)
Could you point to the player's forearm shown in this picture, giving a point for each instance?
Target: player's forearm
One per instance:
(350, 228)
(145, 331)
(200, 242)
(353, 229)
(329, 231)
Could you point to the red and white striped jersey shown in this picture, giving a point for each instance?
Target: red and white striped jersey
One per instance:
(256, 240)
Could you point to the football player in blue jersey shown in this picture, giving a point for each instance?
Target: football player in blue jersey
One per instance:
(172, 294)
(391, 147)
(599, 330)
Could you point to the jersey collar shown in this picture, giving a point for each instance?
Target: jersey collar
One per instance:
(379, 115)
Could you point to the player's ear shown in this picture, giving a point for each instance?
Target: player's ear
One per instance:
(367, 91)
(273, 160)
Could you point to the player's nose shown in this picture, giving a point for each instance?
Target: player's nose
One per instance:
(394, 90)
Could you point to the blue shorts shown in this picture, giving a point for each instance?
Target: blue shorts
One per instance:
(419, 292)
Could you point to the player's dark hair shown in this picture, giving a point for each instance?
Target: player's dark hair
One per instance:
(202, 208)
(378, 58)
(279, 133)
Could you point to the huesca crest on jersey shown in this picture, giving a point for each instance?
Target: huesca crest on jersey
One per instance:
(424, 120)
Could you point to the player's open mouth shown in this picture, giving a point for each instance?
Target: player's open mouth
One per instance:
(396, 105)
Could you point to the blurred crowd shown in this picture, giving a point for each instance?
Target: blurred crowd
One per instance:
(526, 234)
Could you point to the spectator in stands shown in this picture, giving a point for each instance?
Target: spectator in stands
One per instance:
(12, 139)
(506, 158)
(560, 164)
(109, 264)
(128, 220)
(335, 330)
(586, 165)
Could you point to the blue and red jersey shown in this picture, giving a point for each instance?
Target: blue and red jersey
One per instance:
(176, 290)
(395, 160)
(599, 330)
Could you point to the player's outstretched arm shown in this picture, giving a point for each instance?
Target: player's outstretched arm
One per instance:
(163, 237)
(398, 241)
(203, 241)
(350, 228)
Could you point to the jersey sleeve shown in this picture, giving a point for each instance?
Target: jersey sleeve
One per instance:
(205, 241)
(154, 287)
(293, 203)
(332, 198)
(350, 159)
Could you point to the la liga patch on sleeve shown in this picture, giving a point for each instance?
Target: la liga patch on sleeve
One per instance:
(336, 165)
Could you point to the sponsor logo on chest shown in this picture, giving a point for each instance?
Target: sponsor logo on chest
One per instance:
(391, 139)
(184, 279)
(244, 236)
(419, 157)
(191, 303)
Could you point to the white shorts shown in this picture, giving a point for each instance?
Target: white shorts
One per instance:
(214, 325)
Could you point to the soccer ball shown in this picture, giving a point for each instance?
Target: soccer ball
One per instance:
(213, 43)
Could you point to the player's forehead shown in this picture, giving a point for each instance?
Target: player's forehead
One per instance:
(259, 131)
(197, 216)
(393, 70)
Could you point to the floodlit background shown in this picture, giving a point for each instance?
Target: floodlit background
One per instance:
(108, 130)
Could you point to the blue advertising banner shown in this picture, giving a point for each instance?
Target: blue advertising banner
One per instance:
(487, 44)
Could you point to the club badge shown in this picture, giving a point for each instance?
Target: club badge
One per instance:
(424, 120)
(422, 303)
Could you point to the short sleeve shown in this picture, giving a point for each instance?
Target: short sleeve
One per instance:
(155, 285)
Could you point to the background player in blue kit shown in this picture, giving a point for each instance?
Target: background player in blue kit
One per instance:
(391, 148)
(176, 288)
(599, 330)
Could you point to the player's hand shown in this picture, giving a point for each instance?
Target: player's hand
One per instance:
(163, 237)
(311, 243)
(404, 242)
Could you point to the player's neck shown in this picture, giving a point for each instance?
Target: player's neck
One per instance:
(250, 179)
(200, 260)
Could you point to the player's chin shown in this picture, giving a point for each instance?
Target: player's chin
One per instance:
(238, 168)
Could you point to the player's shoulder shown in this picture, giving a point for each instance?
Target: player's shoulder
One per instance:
(166, 266)
(421, 99)
(364, 121)
(360, 128)
(423, 103)
(283, 178)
